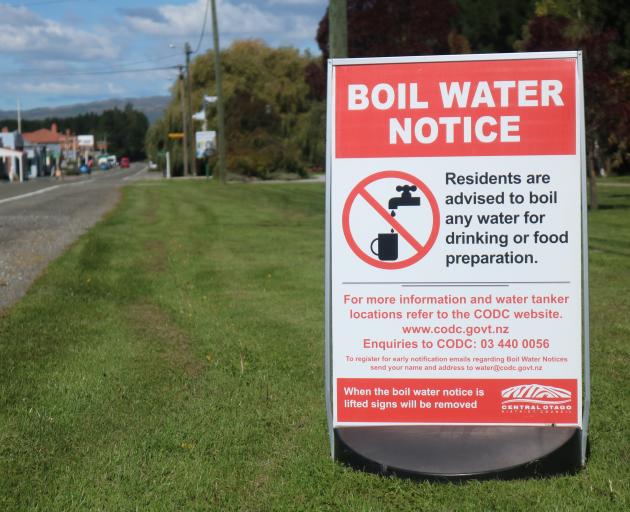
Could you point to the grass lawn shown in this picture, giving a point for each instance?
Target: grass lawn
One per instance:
(172, 360)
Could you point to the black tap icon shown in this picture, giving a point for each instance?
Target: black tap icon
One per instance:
(388, 242)
(405, 199)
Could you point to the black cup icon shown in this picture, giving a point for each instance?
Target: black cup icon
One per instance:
(387, 246)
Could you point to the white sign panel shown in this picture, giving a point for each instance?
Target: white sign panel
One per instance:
(205, 143)
(85, 140)
(455, 241)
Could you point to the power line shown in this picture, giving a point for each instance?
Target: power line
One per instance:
(120, 67)
(121, 63)
(126, 63)
(35, 72)
(203, 27)
(147, 59)
(121, 71)
(40, 2)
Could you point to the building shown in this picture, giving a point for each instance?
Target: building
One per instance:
(54, 145)
(12, 158)
(36, 157)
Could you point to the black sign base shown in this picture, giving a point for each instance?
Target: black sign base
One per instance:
(455, 452)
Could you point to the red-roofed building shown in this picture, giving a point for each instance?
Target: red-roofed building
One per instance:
(56, 146)
(44, 136)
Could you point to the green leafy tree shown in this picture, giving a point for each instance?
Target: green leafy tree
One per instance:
(268, 111)
(492, 25)
(124, 130)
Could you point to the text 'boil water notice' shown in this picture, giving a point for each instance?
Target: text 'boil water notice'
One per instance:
(456, 243)
(468, 108)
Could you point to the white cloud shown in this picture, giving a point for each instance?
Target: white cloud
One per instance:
(300, 2)
(301, 28)
(115, 89)
(43, 56)
(185, 20)
(18, 16)
(24, 33)
(236, 20)
(57, 88)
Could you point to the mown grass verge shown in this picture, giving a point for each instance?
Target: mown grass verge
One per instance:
(172, 360)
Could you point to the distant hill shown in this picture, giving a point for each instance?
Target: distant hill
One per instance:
(152, 106)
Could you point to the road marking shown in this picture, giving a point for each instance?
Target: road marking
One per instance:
(22, 196)
(136, 174)
(47, 189)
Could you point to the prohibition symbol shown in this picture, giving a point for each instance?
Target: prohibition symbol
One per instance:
(386, 255)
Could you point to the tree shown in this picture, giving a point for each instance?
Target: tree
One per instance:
(381, 28)
(572, 24)
(137, 125)
(124, 130)
(492, 25)
(268, 110)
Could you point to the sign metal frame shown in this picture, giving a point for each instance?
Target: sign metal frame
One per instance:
(328, 263)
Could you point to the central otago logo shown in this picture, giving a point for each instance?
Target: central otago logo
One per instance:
(535, 397)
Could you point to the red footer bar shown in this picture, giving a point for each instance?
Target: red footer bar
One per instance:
(458, 401)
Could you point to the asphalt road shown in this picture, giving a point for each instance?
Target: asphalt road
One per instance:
(40, 218)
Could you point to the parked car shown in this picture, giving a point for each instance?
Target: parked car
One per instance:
(103, 162)
(124, 162)
(113, 162)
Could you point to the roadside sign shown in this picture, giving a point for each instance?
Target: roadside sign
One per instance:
(455, 261)
(85, 140)
(205, 143)
(176, 135)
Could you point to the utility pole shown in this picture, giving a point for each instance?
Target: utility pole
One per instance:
(191, 137)
(221, 138)
(19, 116)
(185, 120)
(338, 29)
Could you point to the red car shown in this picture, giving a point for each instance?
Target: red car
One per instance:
(124, 162)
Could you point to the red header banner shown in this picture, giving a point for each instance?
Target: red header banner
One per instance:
(470, 108)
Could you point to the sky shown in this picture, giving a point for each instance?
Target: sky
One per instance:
(59, 52)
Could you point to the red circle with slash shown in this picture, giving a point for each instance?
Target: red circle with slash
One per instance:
(421, 249)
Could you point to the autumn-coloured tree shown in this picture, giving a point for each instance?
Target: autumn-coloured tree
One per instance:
(559, 25)
(382, 28)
